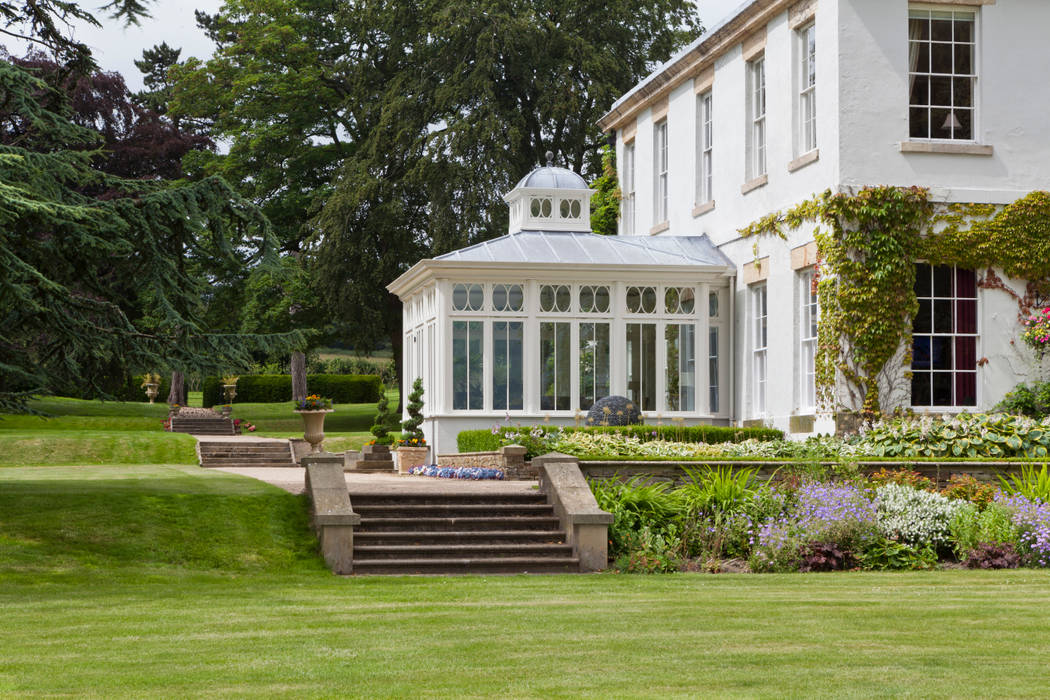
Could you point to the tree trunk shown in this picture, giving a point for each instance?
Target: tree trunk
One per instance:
(396, 346)
(177, 394)
(298, 376)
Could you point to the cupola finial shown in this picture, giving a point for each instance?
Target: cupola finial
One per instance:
(550, 159)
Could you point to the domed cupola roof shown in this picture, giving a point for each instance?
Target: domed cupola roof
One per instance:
(550, 199)
(552, 177)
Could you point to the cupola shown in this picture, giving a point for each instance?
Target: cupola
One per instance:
(550, 199)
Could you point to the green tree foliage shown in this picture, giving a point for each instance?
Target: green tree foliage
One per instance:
(411, 428)
(101, 274)
(605, 202)
(388, 132)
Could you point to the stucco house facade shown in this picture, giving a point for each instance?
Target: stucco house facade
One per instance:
(784, 100)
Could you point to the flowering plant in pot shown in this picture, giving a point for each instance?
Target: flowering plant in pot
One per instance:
(313, 409)
(1036, 334)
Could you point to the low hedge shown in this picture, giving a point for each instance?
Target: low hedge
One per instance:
(277, 388)
(489, 441)
(130, 390)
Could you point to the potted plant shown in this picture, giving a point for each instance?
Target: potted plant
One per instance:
(150, 382)
(313, 409)
(412, 448)
(229, 387)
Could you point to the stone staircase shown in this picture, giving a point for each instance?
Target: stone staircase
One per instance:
(198, 424)
(458, 533)
(276, 453)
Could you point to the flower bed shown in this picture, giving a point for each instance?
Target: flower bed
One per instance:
(471, 473)
(806, 521)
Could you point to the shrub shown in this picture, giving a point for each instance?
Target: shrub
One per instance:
(1033, 485)
(963, 435)
(277, 388)
(969, 527)
(993, 555)
(651, 552)
(635, 504)
(964, 487)
(825, 556)
(614, 410)
(902, 477)
(914, 516)
(411, 429)
(1032, 401)
(381, 367)
(815, 512)
(884, 554)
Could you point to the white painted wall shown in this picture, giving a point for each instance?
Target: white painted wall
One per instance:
(862, 113)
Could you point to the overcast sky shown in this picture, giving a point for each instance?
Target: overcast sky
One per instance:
(116, 48)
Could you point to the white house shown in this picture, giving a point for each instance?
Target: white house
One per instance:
(780, 102)
(787, 99)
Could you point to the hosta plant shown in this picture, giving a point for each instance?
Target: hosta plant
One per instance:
(885, 554)
(964, 435)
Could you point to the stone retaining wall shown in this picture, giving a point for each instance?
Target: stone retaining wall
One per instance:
(510, 458)
(674, 472)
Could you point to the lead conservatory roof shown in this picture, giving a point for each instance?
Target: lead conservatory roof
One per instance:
(577, 248)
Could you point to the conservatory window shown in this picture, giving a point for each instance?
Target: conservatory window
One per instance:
(808, 315)
(704, 149)
(679, 300)
(507, 376)
(807, 95)
(681, 366)
(712, 352)
(467, 297)
(541, 207)
(468, 339)
(942, 73)
(594, 299)
(758, 352)
(712, 368)
(555, 367)
(641, 365)
(570, 208)
(507, 297)
(555, 298)
(628, 189)
(641, 300)
(660, 172)
(594, 363)
(944, 337)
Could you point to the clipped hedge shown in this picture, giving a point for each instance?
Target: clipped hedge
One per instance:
(489, 441)
(130, 390)
(277, 388)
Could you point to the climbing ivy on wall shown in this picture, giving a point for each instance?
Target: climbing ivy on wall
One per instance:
(868, 242)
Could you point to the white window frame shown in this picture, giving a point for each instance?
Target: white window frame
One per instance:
(628, 190)
(915, 72)
(660, 172)
(808, 319)
(807, 88)
(954, 300)
(756, 118)
(704, 148)
(759, 349)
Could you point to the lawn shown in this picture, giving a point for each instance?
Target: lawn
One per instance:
(172, 581)
(76, 432)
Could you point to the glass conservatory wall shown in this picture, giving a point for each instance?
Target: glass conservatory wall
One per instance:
(549, 348)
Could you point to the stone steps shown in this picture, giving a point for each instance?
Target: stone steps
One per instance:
(459, 533)
(203, 426)
(245, 454)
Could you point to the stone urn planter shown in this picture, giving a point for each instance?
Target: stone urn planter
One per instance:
(151, 392)
(229, 391)
(313, 427)
(409, 457)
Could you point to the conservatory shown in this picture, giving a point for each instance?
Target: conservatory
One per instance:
(537, 325)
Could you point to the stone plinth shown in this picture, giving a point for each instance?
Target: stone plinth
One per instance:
(374, 458)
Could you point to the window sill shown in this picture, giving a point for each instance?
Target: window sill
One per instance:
(660, 228)
(701, 209)
(804, 160)
(961, 149)
(753, 185)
